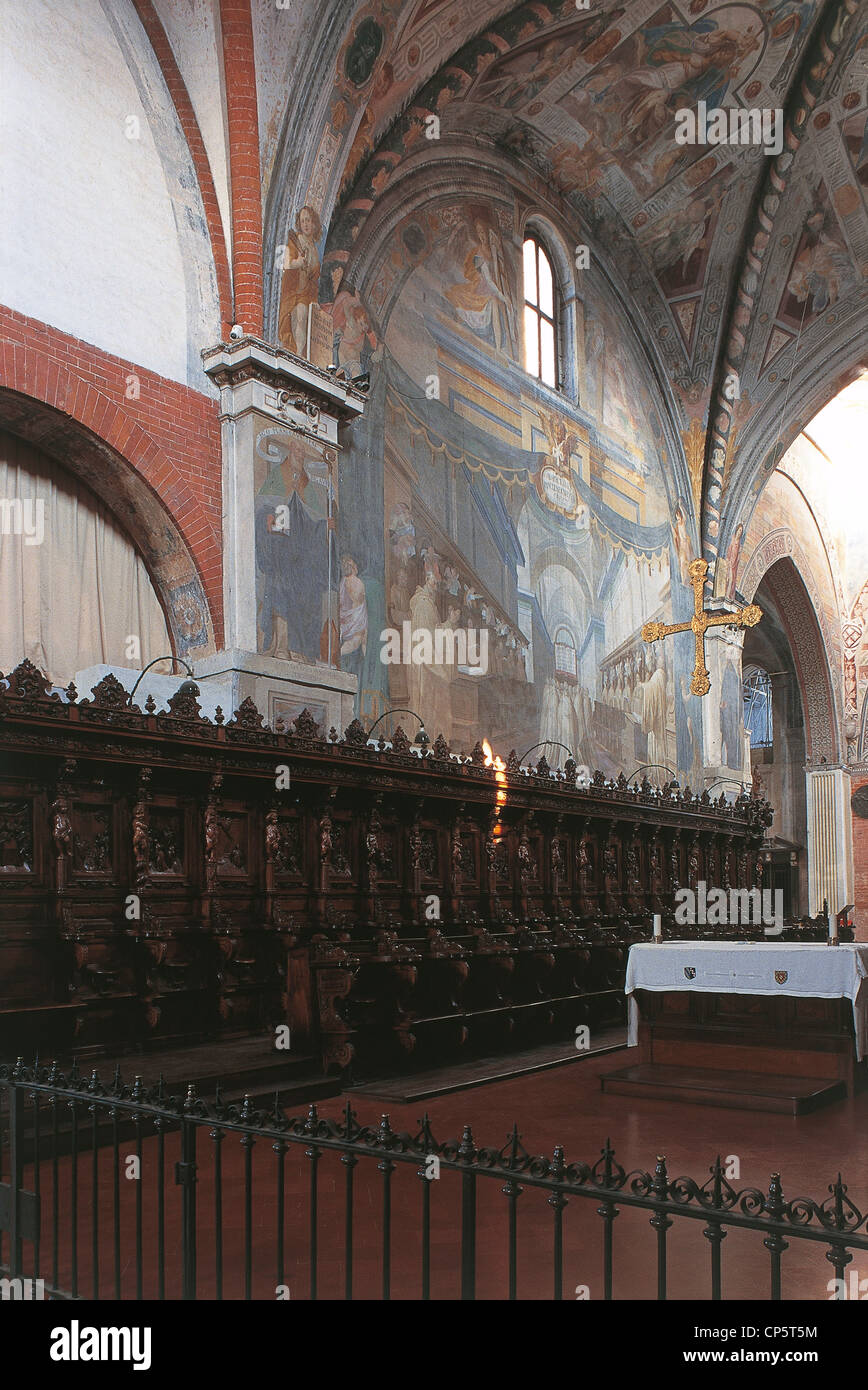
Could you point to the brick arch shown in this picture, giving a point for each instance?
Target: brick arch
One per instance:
(157, 499)
(787, 590)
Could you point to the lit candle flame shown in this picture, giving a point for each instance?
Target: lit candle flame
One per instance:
(494, 760)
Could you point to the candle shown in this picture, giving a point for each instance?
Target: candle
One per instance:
(833, 931)
(658, 927)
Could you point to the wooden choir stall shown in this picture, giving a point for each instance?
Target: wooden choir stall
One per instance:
(394, 905)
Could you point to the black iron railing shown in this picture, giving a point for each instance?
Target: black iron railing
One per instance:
(90, 1201)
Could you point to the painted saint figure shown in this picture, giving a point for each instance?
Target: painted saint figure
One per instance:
(653, 711)
(731, 563)
(300, 285)
(484, 300)
(429, 681)
(292, 556)
(353, 616)
(682, 542)
(731, 717)
(355, 340)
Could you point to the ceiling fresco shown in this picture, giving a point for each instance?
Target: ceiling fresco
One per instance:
(585, 102)
(590, 102)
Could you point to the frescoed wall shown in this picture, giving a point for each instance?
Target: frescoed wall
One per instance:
(475, 500)
(296, 557)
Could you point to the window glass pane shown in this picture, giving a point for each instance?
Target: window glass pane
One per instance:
(565, 659)
(758, 708)
(546, 289)
(565, 651)
(531, 346)
(547, 371)
(530, 272)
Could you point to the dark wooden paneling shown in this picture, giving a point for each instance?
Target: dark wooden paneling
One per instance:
(155, 888)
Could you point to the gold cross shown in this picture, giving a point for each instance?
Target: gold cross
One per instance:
(742, 617)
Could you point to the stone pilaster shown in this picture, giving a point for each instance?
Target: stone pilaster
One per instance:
(279, 420)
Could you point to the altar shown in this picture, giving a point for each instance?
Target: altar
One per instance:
(768, 1025)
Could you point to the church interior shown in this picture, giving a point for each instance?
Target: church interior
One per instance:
(434, 650)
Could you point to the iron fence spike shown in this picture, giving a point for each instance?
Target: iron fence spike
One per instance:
(840, 1222)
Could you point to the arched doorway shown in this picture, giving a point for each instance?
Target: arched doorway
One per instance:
(809, 851)
(775, 720)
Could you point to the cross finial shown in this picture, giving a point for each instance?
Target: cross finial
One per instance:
(701, 620)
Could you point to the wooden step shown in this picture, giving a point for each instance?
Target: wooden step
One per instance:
(238, 1064)
(481, 1071)
(248, 1067)
(734, 1090)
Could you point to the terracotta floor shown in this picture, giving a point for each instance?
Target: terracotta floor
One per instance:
(564, 1106)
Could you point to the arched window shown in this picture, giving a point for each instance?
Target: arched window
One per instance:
(540, 314)
(565, 654)
(758, 707)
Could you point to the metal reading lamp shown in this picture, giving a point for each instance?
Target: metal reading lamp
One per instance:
(421, 740)
(657, 767)
(546, 743)
(187, 687)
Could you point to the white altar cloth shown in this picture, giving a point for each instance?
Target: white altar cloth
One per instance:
(812, 969)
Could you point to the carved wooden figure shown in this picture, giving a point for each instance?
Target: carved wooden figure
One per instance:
(272, 853)
(61, 831)
(374, 860)
(212, 836)
(417, 898)
(456, 858)
(141, 835)
(693, 864)
(675, 864)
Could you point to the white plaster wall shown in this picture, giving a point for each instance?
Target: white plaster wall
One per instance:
(193, 29)
(103, 236)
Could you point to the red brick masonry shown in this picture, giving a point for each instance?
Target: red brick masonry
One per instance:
(170, 435)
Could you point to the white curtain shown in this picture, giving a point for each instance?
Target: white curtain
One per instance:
(75, 599)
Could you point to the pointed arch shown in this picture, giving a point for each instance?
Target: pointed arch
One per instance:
(822, 716)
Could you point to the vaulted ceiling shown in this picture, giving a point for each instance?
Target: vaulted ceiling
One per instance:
(745, 269)
(742, 270)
